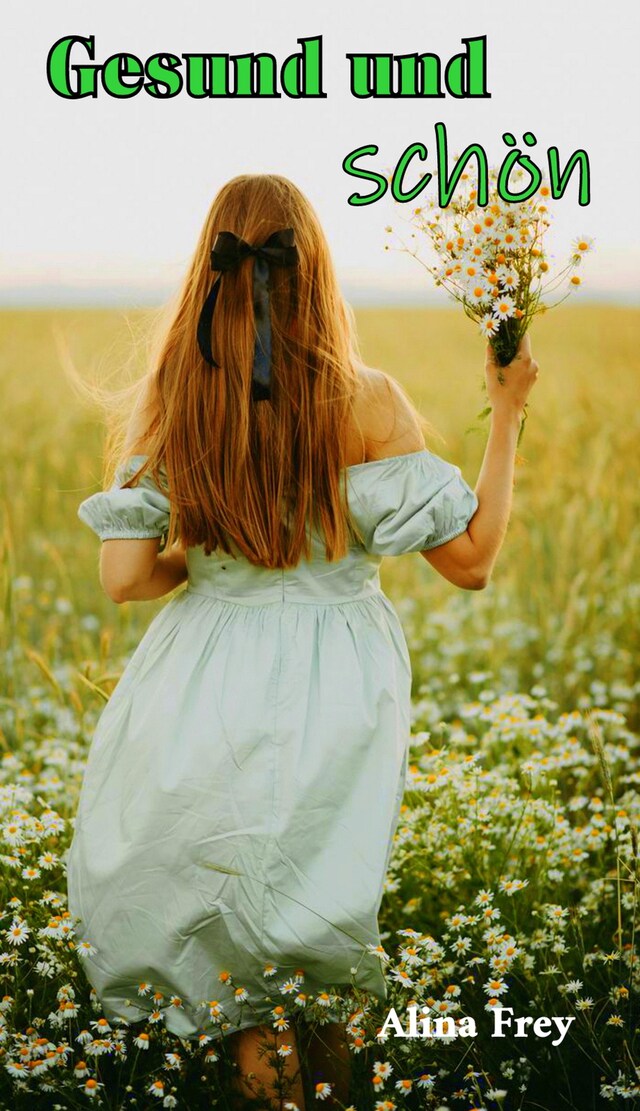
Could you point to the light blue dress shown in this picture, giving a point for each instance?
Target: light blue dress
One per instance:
(245, 778)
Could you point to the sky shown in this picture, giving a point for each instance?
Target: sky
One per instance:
(104, 198)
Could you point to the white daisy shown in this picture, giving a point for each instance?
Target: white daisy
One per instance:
(101, 1025)
(488, 326)
(495, 988)
(478, 292)
(85, 949)
(404, 1086)
(31, 873)
(91, 1087)
(508, 277)
(12, 833)
(504, 307)
(581, 246)
(323, 1090)
(16, 1068)
(378, 951)
(383, 1069)
(17, 933)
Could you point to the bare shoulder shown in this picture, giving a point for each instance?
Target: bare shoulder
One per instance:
(143, 416)
(387, 418)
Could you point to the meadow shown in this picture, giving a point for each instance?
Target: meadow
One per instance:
(514, 876)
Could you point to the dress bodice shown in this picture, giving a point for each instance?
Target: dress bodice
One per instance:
(400, 504)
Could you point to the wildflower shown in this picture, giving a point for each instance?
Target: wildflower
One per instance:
(425, 1080)
(402, 976)
(378, 951)
(483, 897)
(324, 999)
(383, 1069)
(511, 886)
(285, 1050)
(581, 246)
(85, 949)
(241, 995)
(323, 1090)
(504, 307)
(156, 1088)
(290, 986)
(496, 987)
(17, 933)
(141, 1041)
(16, 1068)
(584, 1004)
(508, 277)
(404, 1086)
(101, 1025)
(488, 326)
(573, 987)
(90, 1087)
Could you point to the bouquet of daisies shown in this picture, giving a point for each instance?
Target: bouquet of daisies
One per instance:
(492, 260)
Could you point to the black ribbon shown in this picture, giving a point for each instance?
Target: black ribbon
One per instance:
(227, 253)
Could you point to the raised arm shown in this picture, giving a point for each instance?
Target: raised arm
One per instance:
(468, 560)
(391, 426)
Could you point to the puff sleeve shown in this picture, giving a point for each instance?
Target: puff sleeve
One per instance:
(136, 513)
(409, 503)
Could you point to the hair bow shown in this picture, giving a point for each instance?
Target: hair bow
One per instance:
(227, 253)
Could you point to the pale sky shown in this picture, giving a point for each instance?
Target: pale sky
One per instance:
(112, 191)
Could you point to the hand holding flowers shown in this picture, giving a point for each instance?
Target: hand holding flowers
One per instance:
(492, 261)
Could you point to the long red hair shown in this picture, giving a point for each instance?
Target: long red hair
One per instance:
(256, 476)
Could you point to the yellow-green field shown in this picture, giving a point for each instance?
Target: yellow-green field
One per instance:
(516, 860)
(568, 564)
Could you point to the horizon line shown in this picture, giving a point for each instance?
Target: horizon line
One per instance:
(360, 294)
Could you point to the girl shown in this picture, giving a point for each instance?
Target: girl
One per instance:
(244, 782)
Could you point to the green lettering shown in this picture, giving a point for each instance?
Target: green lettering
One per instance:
(115, 69)
(446, 187)
(397, 192)
(162, 73)
(301, 73)
(465, 74)
(559, 182)
(59, 69)
(245, 75)
(348, 166)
